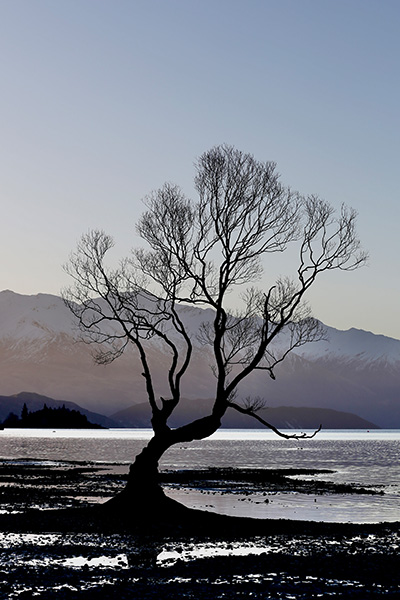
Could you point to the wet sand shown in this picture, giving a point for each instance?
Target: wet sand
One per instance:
(54, 545)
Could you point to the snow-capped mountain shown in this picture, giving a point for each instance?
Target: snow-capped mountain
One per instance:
(353, 370)
(356, 345)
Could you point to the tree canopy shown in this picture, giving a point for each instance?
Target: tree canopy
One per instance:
(197, 253)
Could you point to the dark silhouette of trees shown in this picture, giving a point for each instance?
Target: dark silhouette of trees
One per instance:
(24, 413)
(197, 253)
(47, 417)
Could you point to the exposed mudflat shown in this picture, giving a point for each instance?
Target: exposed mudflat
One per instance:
(56, 542)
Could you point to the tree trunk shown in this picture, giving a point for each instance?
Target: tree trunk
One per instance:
(143, 495)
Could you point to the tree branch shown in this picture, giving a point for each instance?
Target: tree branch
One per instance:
(250, 413)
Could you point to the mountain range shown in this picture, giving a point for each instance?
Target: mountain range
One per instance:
(282, 417)
(351, 371)
(139, 415)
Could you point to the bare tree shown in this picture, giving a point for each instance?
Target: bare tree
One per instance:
(196, 254)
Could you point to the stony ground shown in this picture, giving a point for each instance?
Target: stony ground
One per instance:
(44, 555)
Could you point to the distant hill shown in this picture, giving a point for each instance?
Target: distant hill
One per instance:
(34, 402)
(352, 371)
(283, 417)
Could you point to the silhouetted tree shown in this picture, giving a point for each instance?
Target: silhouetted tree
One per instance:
(197, 253)
(24, 413)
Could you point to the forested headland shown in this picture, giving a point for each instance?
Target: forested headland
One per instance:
(47, 417)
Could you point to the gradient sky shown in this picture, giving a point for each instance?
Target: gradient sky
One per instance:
(103, 101)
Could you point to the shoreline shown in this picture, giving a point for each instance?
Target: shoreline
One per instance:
(297, 494)
(59, 547)
(44, 495)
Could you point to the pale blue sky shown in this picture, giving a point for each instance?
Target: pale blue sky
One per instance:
(103, 101)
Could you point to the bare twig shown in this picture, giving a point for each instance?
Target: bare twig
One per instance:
(288, 436)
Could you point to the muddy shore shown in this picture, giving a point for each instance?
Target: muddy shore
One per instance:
(56, 543)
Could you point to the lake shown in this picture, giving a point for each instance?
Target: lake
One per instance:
(364, 458)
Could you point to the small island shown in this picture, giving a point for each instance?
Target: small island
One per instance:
(49, 418)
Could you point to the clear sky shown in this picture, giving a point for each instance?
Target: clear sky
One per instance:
(103, 101)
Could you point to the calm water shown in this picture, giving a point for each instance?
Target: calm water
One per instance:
(366, 458)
